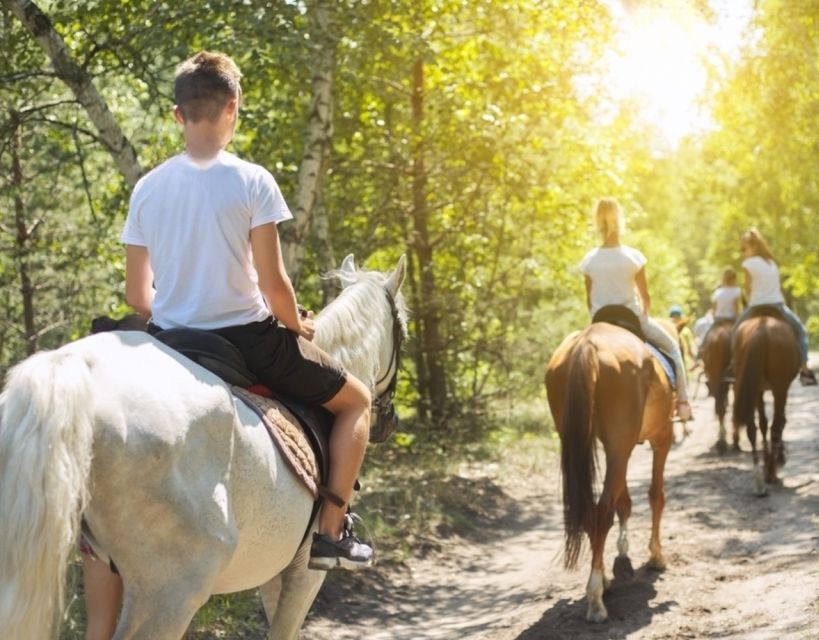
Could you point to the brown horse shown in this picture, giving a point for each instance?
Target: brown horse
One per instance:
(604, 384)
(766, 357)
(716, 354)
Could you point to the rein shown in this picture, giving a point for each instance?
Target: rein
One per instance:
(397, 339)
(382, 405)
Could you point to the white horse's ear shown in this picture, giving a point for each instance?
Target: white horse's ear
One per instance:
(396, 278)
(347, 271)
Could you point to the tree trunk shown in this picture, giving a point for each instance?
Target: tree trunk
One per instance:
(317, 145)
(22, 237)
(79, 81)
(430, 353)
(324, 251)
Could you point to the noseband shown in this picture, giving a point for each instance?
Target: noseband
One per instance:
(386, 420)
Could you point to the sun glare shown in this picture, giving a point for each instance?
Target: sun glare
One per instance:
(658, 62)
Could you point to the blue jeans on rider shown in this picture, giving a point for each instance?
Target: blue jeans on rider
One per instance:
(793, 320)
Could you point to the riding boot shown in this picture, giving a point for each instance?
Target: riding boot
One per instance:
(807, 377)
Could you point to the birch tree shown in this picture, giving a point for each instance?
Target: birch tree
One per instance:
(318, 136)
(78, 80)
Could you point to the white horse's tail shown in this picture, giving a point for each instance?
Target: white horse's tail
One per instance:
(45, 456)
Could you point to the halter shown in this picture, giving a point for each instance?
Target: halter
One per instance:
(386, 419)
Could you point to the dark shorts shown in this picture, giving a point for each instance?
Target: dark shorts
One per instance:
(285, 362)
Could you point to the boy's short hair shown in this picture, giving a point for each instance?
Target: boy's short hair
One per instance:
(729, 276)
(204, 84)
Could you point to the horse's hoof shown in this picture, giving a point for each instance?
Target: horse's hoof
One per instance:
(780, 459)
(597, 613)
(623, 569)
(656, 563)
(722, 447)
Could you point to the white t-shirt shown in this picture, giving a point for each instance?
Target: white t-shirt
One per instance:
(195, 220)
(724, 300)
(701, 327)
(765, 288)
(612, 271)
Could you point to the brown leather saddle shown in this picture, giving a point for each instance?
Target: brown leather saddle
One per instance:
(625, 318)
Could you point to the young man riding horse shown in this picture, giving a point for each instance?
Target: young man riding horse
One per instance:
(203, 252)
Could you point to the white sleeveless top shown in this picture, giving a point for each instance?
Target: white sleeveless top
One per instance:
(765, 286)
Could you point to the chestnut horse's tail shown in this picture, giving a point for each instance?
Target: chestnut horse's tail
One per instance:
(750, 364)
(578, 462)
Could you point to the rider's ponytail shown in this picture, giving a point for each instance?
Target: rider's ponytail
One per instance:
(608, 218)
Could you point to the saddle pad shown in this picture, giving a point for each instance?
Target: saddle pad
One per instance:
(666, 362)
(288, 437)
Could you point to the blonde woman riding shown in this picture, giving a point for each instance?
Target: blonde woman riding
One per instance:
(615, 275)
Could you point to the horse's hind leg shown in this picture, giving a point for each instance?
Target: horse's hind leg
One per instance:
(759, 477)
(163, 591)
(778, 428)
(623, 514)
(155, 613)
(602, 519)
(656, 497)
(720, 403)
(768, 466)
(777, 451)
(622, 563)
(287, 597)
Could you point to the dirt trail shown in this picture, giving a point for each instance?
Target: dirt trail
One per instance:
(738, 566)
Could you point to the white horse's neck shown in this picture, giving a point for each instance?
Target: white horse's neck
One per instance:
(357, 328)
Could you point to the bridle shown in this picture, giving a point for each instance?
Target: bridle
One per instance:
(385, 419)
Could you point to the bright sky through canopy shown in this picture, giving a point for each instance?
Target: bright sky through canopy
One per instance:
(657, 61)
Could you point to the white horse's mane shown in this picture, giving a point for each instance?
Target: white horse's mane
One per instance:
(358, 324)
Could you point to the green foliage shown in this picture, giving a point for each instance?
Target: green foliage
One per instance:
(758, 167)
(514, 155)
(501, 166)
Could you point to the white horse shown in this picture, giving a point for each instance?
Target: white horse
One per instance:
(177, 480)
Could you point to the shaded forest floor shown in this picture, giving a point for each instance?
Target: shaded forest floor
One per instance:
(738, 566)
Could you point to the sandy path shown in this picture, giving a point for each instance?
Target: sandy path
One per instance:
(739, 566)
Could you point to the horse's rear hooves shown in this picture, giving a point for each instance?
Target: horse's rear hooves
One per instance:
(721, 447)
(597, 614)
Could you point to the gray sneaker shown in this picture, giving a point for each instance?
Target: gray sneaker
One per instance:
(349, 553)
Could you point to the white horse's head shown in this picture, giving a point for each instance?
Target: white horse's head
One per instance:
(363, 328)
